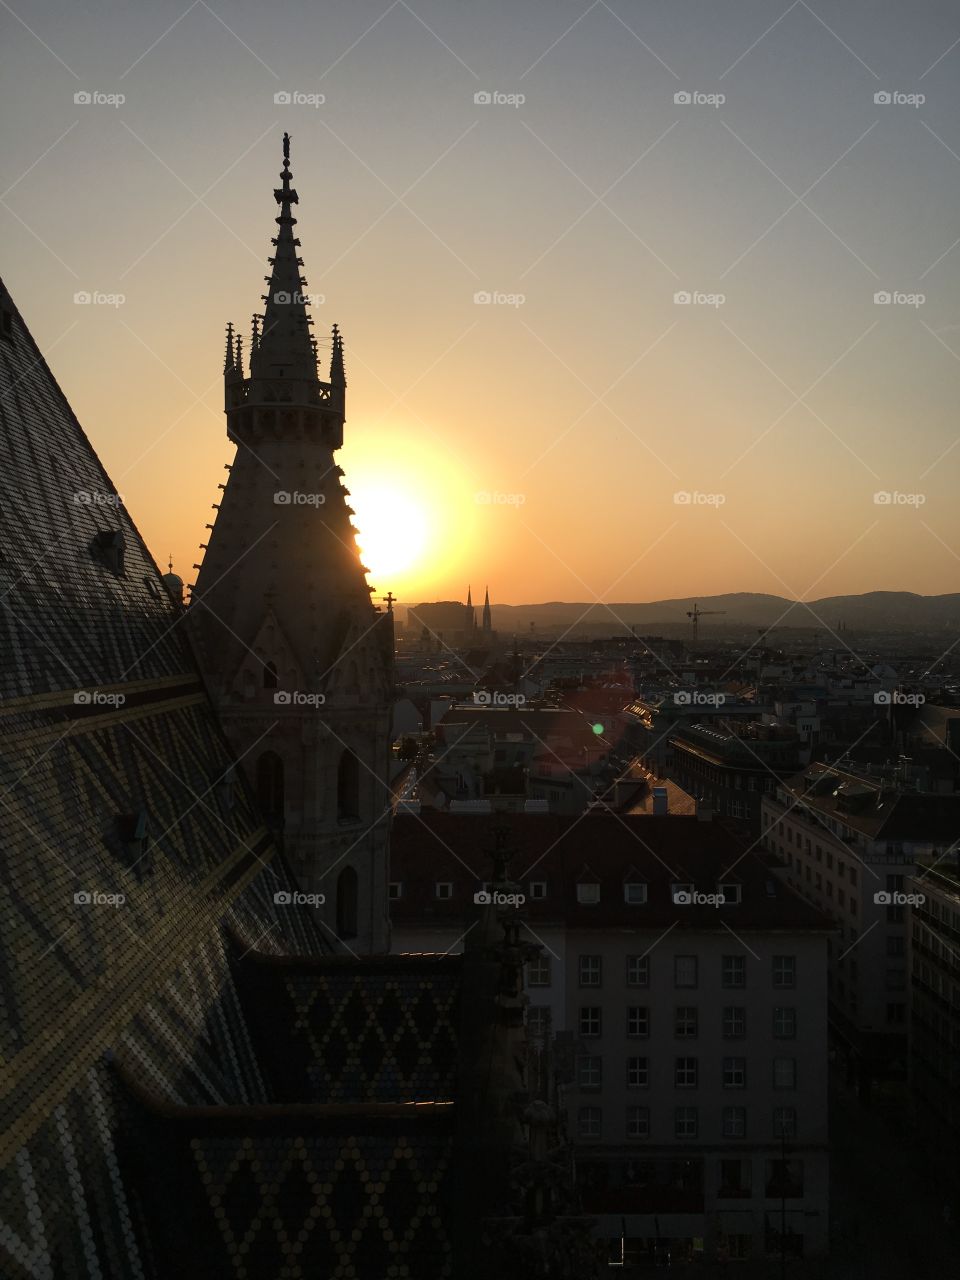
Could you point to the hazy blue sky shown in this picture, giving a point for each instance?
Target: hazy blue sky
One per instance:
(599, 198)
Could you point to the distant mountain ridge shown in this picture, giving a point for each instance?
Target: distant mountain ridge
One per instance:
(873, 610)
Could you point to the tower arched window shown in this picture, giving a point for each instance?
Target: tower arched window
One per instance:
(270, 675)
(270, 787)
(347, 903)
(348, 786)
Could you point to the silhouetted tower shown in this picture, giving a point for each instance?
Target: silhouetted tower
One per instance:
(296, 656)
(487, 620)
(469, 614)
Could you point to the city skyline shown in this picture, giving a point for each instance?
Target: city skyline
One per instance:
(519, 443)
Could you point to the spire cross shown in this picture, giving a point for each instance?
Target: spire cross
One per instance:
(389, 598)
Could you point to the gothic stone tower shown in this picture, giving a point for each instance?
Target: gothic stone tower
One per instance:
(296, 656)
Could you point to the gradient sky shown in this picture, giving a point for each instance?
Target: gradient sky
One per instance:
(599, 398)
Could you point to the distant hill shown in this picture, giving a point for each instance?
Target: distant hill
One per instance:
(873, 611)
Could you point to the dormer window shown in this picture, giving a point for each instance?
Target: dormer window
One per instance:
(538, 889)
(396, 890)
(681, 894)
(444, 889)
(108, 547)
(731, 892)
(588, 893)
(270, 676)
(634, 893)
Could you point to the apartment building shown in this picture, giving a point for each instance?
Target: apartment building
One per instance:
(685, 989)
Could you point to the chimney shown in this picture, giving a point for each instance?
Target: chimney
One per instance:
(661, 803)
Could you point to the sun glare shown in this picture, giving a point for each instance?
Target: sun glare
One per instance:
(391, 529)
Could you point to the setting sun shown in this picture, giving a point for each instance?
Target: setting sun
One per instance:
(391, 529)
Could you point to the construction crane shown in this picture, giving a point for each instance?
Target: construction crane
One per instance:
(696, 614)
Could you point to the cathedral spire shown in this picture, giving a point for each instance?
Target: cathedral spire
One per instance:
(228, 364)
(285, 349)
(487, 622)
(337, 374)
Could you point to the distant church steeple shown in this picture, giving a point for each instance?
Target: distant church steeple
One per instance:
(487, 621)
(469, 615)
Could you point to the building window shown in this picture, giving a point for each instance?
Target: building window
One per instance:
(590, 1019)
(638, 1020)
(538, 971)
(898, 1012)
(443, 889)
(734, 1073)
(348, 787)
(784, 1073)
(634, 893)
(685, 1122)
(685, 1022)
(896, 946)
(735, 1180)
(538, 889)
(784, 1180)
(395, 890)
(734, 1122)
(784, 971)
(731, 893)
(590, 971)
(734, 971)
(538, 1021)
(347, 904)
(684, 971)
(681, 894)
(685, 1073)
(588, 894)
(785, 1023)
(638, 1122)
(270, 675)
(589, 1071)
(588, 1122)
(638, 971)
(638, 1073)
(784, 1122)
(734, 1022)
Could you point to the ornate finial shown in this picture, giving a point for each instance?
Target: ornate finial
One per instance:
(255, 335)
(228, 358)
(389, 598)
(337, 373)
(170, 563)
(239, 365)
(286, 150)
